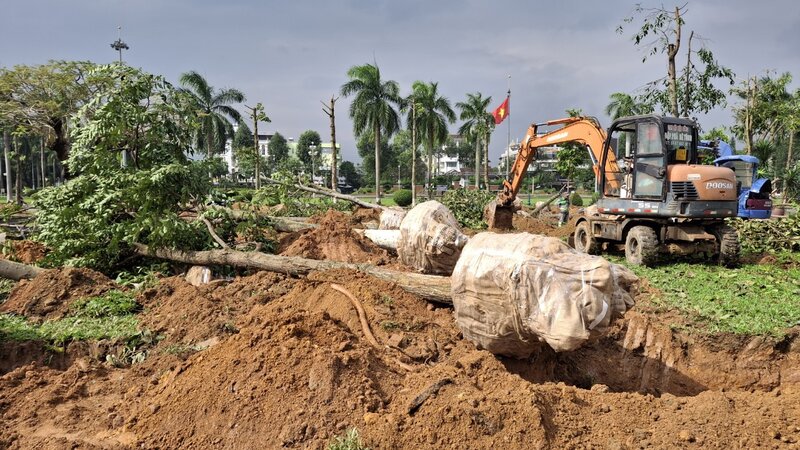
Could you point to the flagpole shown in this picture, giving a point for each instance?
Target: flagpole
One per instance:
(508, 141)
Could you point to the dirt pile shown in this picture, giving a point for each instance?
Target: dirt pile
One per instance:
(334, 239)
(27, 252)
(50, 294)
(545, 224)
(298, 370)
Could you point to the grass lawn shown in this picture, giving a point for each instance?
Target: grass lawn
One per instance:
(754, 299)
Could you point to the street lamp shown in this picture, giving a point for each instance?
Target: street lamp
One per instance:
(313, 149)
(119, 45)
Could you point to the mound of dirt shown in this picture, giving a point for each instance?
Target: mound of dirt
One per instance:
(545, 224)
(188, 315)
(334, 239)
(50, 294)
(28, 252)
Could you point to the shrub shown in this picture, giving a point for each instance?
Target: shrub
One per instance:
(769, 235)
(402, 197)
(575, 199)
(467, 206)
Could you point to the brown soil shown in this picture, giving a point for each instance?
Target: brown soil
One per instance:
(27, 252)
(546, 224)
(334, 239)
(50, 294)
(268, 361)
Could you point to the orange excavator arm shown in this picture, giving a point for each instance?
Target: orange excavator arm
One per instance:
(576, 129)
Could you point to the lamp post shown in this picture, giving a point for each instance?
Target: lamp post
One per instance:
(119, 45)
(313, 149)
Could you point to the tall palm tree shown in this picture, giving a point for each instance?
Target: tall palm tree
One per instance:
(433, 113)
(622, 105)
(476, 124)
(214, 110)
(373, 109)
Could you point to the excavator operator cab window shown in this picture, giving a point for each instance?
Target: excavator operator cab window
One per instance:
(618, 177)
(680, 143)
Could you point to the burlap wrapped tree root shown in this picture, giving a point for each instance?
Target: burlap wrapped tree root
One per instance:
(391, 218)
(430, 239)
(511, 292)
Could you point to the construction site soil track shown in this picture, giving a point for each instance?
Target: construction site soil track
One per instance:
(271, 361)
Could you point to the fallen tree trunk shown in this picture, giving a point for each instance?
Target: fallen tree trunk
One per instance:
(430, 287)
(330, 193)
(16, 271)
(539, 208)
(388, 239)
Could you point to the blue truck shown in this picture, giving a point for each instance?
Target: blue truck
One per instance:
(754, 192)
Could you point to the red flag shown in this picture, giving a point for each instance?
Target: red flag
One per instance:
(501, 112)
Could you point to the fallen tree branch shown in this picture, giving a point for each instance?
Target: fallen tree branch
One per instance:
(17, 271)
(432, 389)
(214, 234)
(539, 208)
(329, 193)
(431, 287)
(362, 316)
(284, 224)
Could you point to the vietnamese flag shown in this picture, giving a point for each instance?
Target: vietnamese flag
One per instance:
(501, 112)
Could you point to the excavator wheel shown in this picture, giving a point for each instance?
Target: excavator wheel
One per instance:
(641, 246)
(728, 241)
(584, 239)
(499, 217)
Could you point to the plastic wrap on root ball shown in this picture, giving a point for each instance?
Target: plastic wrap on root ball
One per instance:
(511, 292)
(430, 239)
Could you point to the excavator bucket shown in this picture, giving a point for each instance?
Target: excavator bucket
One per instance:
(498, 217)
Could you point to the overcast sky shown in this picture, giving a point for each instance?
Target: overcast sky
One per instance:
(292, 54)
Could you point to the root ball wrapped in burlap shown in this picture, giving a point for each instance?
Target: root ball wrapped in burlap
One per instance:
(513, 292)
(430, 239)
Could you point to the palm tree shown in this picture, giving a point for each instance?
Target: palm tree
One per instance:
(372, 109)
(476, 124)
(433, 113)
(623, 105)
(214, 111)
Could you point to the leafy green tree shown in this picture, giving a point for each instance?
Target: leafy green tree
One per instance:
(694, 89)
(388, 159)
(243, 137)
(765, 111)
(477, 124)
(308, 156)
(277, 151)
(351, 176)
(572, 155)
(373, 109)
(432, 116)
(95, 218)
(623, 105)
(403, 155)
(213, 112)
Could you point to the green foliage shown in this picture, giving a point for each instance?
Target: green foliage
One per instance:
(569, 158)
(402, 197)
(769, 235)
(278, 151)
(433, 114)
(112, 303)
(305, 153)
(213, 111)
(93, 219)
(467, 206)
(295, 202)
(6, 286)
(350, 441)
(754, 299)
(575, 199)
(243, 137)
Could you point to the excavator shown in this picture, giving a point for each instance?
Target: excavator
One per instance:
(654, 196)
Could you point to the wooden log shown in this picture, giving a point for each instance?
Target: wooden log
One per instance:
(16, 271)
(431, 287)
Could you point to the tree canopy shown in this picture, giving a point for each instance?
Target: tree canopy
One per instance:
(305, 153)
(213, 111)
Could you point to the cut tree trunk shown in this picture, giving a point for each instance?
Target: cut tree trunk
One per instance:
(284, 224)
(430, 287)
(387, 239)
(16, 271)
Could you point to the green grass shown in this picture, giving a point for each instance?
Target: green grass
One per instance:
(350, 441)
(6, 286)
(110, 316)
(751, 300)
